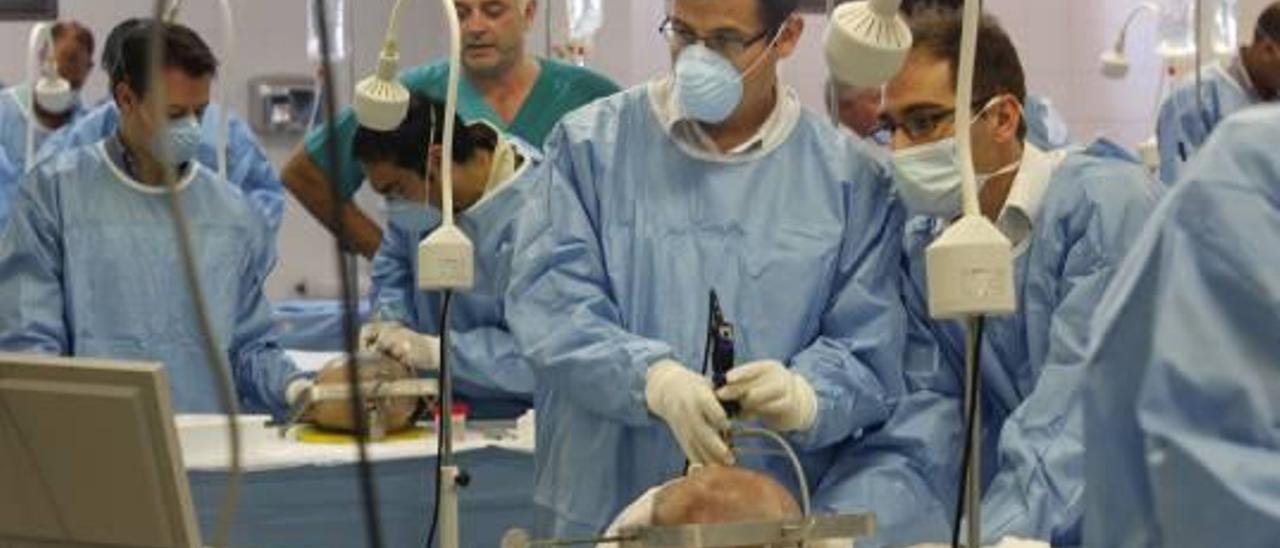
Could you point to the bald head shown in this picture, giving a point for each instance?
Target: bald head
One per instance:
(718, 494)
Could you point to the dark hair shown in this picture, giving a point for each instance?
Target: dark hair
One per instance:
(111, 47)
(1268, 24)
(998, 69)
(183, 50)
(774, 13)
(406, 146)
(82, 35)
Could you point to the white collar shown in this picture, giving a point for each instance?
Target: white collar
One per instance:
(689, 133)
(496, 187)
(132, 183)
(1022, 206)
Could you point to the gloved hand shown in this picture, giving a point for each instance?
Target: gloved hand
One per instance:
(767, 389)
(686, 402)
(296, 388)
(402, 344)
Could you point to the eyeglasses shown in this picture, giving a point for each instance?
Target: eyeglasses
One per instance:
(922, 124)
(725, 42)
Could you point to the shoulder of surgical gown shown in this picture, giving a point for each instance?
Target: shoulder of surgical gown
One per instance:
(1183, 380)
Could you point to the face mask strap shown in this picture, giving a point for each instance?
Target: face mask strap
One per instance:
(773, 42)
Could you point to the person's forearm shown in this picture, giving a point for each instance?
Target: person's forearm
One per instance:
(314, 191)
(362, 234)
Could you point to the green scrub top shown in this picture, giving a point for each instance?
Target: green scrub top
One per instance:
(559, 90)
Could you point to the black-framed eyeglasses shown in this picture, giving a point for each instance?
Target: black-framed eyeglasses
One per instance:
(728, 43)
(922, 124)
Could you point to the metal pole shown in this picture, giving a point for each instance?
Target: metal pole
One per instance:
(973, 486)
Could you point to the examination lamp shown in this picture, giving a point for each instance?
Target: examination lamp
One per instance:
(381, 101)
(1115, 62)
(866, 42)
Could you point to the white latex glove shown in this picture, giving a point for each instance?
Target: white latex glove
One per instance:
(370, 332)
(687, 403)
(783, 400)
(402, 344)
(296, 389)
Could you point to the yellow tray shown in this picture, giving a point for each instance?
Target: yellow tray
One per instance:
(311, 434)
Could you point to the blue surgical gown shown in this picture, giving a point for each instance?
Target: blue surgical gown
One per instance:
(1185, 121)
(13, 141)
(800, 241)
(487, 364)
(8, 172)
(1182, 400)
(908, 472)
(13, 124)
(89, 267)
(248, 167)
(1045, 127)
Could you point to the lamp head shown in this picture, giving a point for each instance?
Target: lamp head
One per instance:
(381, 101)
(1115, 64)
(866, 42)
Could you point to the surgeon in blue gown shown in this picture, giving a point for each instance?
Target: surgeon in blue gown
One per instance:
(89, 263)
(1187, 116)
(493, 177)
(1070, 214)
(1183, 386)
(248, 167)
(711, 178)
(72, 53)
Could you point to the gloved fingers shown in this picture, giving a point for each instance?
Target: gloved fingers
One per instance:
(748, 373)
(731, 392)
(712, 413)
(776, 408)
(710, 447)
(369, 337)
(763, 396)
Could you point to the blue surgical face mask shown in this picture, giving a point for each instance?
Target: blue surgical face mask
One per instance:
(411, 217)
(708, 86)
(928, 176)
(183, 137)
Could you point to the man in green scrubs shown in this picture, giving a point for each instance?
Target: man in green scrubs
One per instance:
(502, 84)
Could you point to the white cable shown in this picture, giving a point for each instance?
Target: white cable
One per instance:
(450, 107)
(791, 454)
(964, 106)
(39, 31)
(228, 61)
(216, 360)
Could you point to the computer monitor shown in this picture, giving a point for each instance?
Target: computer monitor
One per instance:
(89, 456)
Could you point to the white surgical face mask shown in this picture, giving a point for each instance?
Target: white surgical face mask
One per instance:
(928, 176)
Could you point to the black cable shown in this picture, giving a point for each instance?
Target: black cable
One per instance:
(444, 363)
(217, 360)
(346, 270)
(973, 379)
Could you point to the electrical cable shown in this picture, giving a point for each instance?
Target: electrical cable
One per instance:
(216, 359)
(346, 270)
(791, 455)
(973, 379)
(440, 429)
